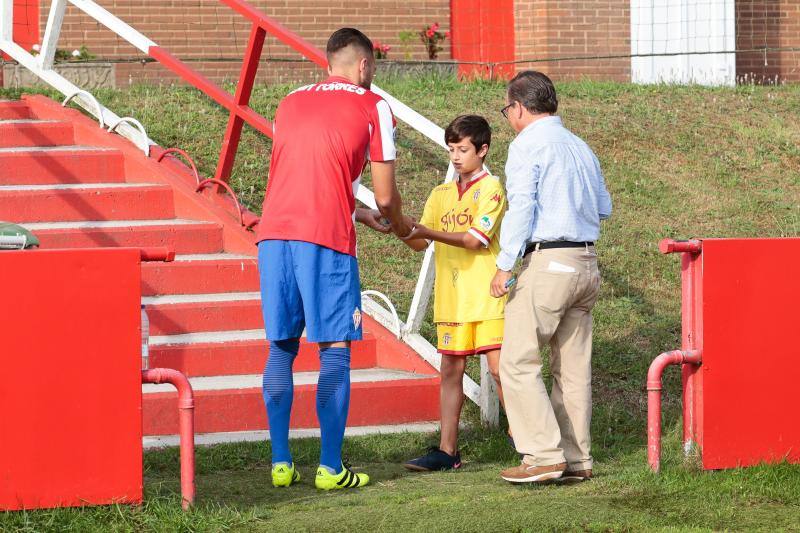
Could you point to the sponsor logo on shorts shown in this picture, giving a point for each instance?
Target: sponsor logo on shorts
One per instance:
(446, 338)
(356, 318)
(486, 222)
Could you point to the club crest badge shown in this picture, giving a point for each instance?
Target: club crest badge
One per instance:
(446, 338)
(486, 222)
(357, 318)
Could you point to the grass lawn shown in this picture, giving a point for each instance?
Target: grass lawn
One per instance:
(679, 161)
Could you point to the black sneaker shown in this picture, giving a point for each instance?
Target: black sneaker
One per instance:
(434, 460)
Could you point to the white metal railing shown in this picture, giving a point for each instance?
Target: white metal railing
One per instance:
(42, 66)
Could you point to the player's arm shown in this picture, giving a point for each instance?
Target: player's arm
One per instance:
(388, 198)
(372, 218)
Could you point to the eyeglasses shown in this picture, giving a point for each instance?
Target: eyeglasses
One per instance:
(504, 111)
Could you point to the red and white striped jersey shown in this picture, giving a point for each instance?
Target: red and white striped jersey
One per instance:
(324, 135)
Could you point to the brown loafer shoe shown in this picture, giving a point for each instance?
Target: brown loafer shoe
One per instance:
(525, 473)
(576, 475)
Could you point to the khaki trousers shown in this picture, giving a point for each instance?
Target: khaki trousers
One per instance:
(551, 304)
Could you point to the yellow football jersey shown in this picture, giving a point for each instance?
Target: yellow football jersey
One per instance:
(463, 276)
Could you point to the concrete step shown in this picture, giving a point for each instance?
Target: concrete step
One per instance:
(191, 313)
(14, 109)
(235, 403)
(184, 236)
(33, 132)
(205, 273)
(60, 164)
(218, 353)
(209, 439)
(73, 202)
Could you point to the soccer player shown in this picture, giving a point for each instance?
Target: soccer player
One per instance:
(324, 135)
(462, 217)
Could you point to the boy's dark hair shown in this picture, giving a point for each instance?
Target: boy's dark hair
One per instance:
(344, 37)
(473, 126)
(533, 90)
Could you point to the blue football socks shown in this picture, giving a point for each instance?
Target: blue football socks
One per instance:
(333, 403)
(278, 389)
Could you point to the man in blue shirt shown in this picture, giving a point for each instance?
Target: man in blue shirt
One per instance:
(556, 199)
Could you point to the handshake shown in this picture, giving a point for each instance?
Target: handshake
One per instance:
(406, 230)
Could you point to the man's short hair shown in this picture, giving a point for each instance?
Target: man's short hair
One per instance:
(533, 90)
(345, 37)
(473, 126)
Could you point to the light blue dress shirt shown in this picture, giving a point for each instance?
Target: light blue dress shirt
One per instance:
(555, 190)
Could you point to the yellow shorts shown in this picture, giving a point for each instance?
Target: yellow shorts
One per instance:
(469, 338)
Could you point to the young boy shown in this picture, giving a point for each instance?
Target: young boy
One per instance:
(463, 218)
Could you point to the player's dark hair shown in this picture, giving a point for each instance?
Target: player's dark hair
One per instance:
(533, 90)
(474, 127)
(344, 37)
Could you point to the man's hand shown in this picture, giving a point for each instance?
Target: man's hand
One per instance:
(372, 218)
(498, 287)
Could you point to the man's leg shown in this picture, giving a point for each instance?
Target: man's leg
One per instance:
(451, 401)
(331, 294)
(283, 319)
(532, 315)
(333, 401)
(278, 390)
(571, 364)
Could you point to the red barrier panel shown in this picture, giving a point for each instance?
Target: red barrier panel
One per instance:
(70, 385)
(739, 310)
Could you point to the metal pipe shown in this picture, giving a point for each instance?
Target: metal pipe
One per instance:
(657, 367)
(186, 425)
(670, 246)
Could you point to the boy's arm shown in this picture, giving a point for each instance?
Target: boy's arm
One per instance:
(461, 239)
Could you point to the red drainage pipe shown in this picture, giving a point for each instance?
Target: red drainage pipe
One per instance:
(657, 367)
(186, 425)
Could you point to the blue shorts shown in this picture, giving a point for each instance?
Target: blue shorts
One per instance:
(307, 286)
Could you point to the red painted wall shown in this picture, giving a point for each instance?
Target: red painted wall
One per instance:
(483, 31)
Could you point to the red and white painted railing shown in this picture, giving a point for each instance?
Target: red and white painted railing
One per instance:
(240, 112)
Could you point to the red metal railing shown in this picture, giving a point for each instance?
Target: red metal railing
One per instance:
(689, 357)
(238, 103)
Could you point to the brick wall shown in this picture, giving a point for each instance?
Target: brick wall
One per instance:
(547, 29)
(202, 29)
(770, 24)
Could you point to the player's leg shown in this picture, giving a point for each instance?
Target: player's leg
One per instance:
(455, 344)
(283, 318)
(331, 292)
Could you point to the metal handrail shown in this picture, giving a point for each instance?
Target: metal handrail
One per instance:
(92, 99)
(170, 151)
(138, 125)
(205, 183)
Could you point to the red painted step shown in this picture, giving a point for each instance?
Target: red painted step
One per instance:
(60, 164)
(179, 314)
(201, 274)
(185, 237)
(377, 397)
(247, 356)
(13, 109)
(31, 132)
(41, 203)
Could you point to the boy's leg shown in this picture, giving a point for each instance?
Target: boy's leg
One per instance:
(451, 400)
(283, 318)
(493, 360)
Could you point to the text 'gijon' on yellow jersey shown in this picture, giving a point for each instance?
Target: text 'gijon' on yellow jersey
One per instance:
(461, 291)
